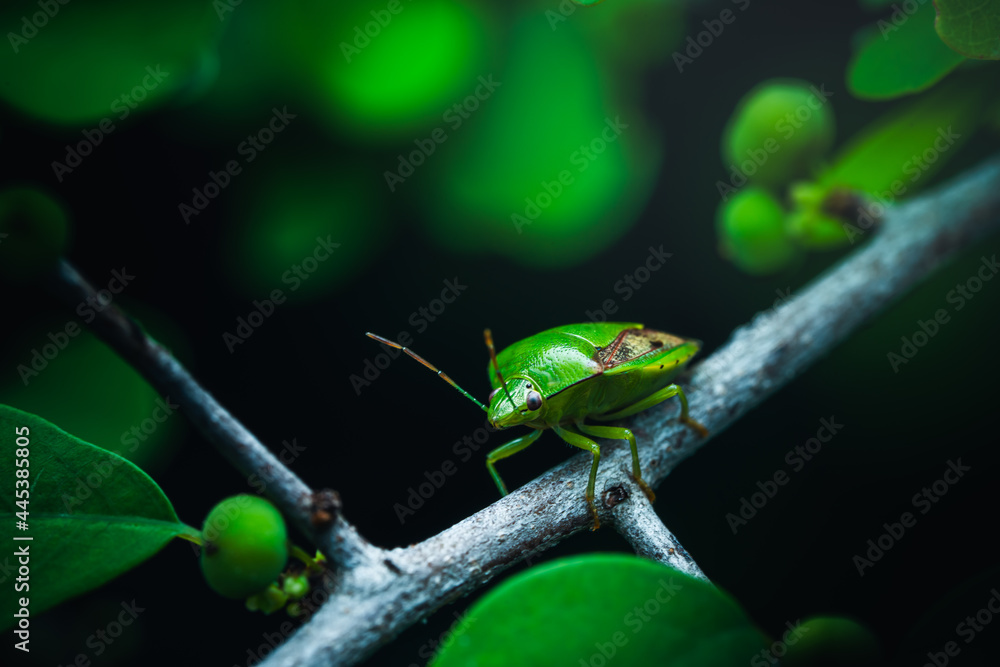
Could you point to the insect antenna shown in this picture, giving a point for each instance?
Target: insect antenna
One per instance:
(488, 335)
(441, 374)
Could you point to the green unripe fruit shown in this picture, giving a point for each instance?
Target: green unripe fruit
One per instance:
(779, 130)
(751, 228)
(296, 587)
(831, 641)
(268, 601)
(33, 233)
(246, 546)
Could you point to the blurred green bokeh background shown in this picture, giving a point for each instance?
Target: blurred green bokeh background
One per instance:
(436, 167)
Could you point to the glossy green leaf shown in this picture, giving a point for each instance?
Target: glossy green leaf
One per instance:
(900, 152)
(970, 27)
(91, 515)
(904, 55)
(601, 609)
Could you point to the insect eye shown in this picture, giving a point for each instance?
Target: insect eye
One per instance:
(492, 394)
(534, 400)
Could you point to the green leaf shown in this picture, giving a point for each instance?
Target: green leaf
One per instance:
(970, 27)
(588, 609)
(904, 55)
(899, 152)
(92, 515)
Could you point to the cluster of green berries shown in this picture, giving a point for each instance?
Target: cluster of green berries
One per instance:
(779, 133)
(244, 552)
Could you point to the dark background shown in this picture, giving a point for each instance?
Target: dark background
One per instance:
(291, 378)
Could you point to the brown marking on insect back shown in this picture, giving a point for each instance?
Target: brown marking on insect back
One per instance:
(633, 343)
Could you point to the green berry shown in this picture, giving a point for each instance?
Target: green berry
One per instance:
(268, 601)
(779, 130)
(751, 227)
(831, 641)
(296, 587)
(33, 232)
(246, 546)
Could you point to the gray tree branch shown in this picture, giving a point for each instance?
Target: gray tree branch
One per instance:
(373, 603)
(637, 521)
(377, 593)
(338, 540)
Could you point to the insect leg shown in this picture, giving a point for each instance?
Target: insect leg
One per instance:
(653, 399)
(583, 442)
(617, 433)
(503, 451)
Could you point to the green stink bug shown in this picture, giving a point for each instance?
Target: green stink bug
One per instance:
(560, 377)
